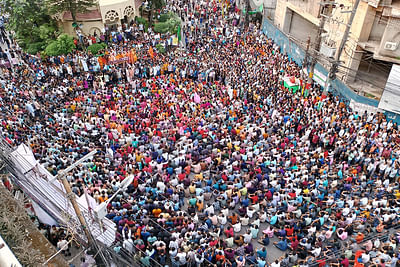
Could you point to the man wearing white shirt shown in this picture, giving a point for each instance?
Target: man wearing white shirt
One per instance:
(128, 245)
(181, 257)
(209, 209)
(237, 227)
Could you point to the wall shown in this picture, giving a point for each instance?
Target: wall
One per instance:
(7, 257)
(335, 27)
(87, 27)
(269, 8)
(392, 34)
(307, 9)
(359, 32)
(378, 27)
(302, 29)
(113, 11)
(297, 54)
(345, 91)
(294, 51)
(129, 8)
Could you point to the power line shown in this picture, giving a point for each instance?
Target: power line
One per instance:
(83, 225)
(101, 152)
(389, 87)
(369, 55)
(334, 66)
(396, 76)
(328, 61)
(323, 11)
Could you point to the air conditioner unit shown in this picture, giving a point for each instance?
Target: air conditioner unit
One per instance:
(327, 50)
(390, 46)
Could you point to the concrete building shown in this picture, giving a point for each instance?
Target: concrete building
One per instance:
(268, 7)
(373, 45)
(106, 12)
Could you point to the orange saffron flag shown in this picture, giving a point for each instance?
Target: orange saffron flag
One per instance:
(132, 56)
(151, 52)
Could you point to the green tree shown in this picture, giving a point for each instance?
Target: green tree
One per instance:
(73, 6)
(32, 25)
(48, 31)
(96, 48)
(154, 4)
(140, 20)
(160, 48)
(62, 46)
(164, 17)
(169, 23)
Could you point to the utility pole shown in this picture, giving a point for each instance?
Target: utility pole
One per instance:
(305, 61)
(71, 195)
(333, 69)
(62, 176)
(323, 13)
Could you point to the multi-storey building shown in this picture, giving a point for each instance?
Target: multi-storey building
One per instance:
(373, 45)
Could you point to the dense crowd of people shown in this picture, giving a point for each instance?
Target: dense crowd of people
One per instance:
(226, 160)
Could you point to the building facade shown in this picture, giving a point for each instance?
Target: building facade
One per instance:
(371, 49)
(105, 13)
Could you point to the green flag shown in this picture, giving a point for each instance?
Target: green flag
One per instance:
(179, 33)
(259, 9)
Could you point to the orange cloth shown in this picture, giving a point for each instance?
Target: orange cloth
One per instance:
(151, 52)
(359, 237)
(132, 56)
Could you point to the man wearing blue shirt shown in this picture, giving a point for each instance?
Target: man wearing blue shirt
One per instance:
(261, 262)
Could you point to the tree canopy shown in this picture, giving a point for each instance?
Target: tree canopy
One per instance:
(33, 26)
(168, 23)
(62, 46)
(73, 6)
(96, 48)
(154, 4)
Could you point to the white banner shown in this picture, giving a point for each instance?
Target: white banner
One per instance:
(361, 108)
(391, 94)
(319, 77)
(39, 184)
(43, 216)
